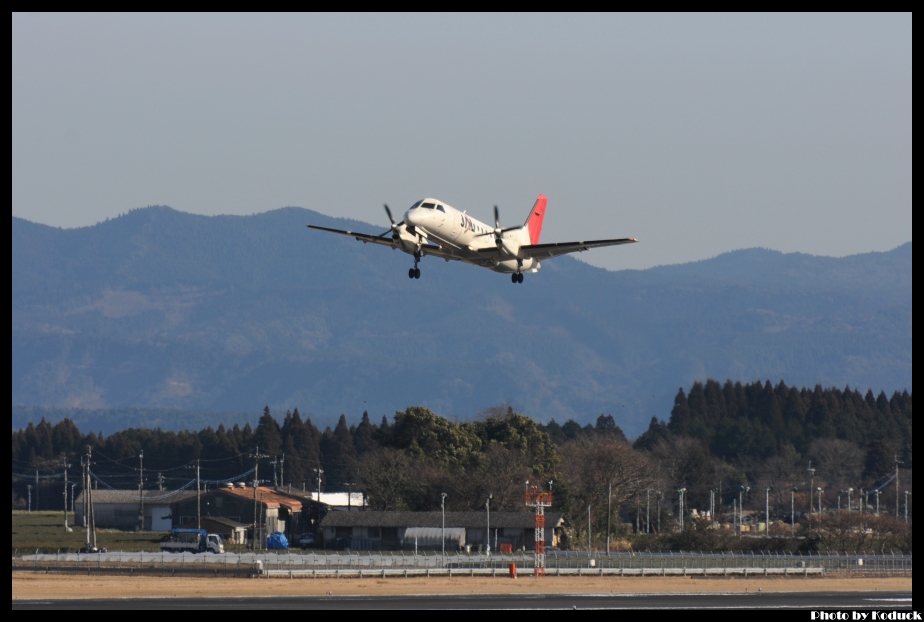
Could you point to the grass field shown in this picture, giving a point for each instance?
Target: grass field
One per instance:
(45, 531)
(37, 585)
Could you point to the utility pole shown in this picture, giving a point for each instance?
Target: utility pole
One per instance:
(319, 471)
(735, 516)
(648, 511)
(443, 527)
(897, 462)
(877, 492)
(681, 491)
(282, 471)
(275, 464)
(160, 481)
(37, 493)
(767, 512)
(90, 515)
(198, 499)
(741, 492)
(86, 511)
(66, 527)
(811, 487)
(73, 484)
(349, 486)
(141, 490)
(906, 507)
(487, 533)
(849, 490)
(609, 502)
(660, 494)
(819, 499)
(792, 511)
(29, 488)
(588, 532)
(256, 482)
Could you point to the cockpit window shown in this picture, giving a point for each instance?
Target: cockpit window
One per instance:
(440, 208)
(427, 205)
(416, 204)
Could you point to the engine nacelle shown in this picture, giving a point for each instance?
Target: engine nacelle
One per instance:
(508, 246)
(511, 265)
(405, 241)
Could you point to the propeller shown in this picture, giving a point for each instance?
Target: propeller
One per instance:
(497, 228)
(394, 225)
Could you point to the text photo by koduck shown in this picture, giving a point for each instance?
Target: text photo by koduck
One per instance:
(866, 615)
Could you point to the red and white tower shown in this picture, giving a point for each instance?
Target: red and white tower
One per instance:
(539, 500)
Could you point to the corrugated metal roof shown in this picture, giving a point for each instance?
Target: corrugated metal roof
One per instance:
(501, 520)
(268, 496)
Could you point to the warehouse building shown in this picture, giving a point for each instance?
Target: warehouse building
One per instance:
(121, 509)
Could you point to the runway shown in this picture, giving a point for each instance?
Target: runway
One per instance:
(885, 601)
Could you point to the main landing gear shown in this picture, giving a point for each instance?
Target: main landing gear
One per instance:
(516, 277)
(414, 273)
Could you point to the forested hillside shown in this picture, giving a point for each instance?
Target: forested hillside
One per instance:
(164, 310)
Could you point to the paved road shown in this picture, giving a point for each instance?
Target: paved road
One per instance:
(792, 600)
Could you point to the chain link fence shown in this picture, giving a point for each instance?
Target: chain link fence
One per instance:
(322, 563)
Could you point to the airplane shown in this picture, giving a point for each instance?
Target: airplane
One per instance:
(431, 227)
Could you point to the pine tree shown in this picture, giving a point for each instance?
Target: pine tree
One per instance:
(268, 436)
(680, 415)
(364, 436)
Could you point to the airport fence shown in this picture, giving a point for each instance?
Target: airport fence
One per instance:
(399, 563)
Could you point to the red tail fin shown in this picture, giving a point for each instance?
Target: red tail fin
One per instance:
(534, 220)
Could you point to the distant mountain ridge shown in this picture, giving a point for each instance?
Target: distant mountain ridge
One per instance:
(163, 309)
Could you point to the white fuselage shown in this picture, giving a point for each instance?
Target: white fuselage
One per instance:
(442, 224)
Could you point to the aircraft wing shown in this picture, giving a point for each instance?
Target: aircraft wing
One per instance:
(362, 237)
(429, 249)
(547, 251)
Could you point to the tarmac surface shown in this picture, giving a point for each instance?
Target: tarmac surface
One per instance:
(882, 601)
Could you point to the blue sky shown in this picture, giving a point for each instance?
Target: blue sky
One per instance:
(697, 134)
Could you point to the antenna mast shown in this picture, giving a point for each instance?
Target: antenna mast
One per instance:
(539, 500)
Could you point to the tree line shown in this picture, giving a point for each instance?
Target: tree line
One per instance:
(722, 444)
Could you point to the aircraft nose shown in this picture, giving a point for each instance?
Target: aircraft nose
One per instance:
(413, 217)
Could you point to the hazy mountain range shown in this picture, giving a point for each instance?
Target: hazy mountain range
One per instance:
(162, 309)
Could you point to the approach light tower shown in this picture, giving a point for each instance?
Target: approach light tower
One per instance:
(539, 500)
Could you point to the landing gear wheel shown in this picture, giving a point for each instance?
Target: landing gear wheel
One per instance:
(513, 278)
(410, 273)
(416, 273)
(519, 277)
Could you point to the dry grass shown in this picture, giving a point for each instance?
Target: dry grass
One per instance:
(42, 586)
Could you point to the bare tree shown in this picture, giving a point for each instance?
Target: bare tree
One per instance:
(387, 477)
(782, 473)
(838, 462)
(687, 463)
(592, 467)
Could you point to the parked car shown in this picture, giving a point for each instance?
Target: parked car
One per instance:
(306, 540)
